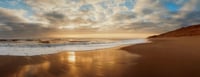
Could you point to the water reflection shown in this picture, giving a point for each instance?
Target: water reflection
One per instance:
(101, 63)
(71, 57)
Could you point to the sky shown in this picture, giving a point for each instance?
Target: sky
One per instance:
(62, 18)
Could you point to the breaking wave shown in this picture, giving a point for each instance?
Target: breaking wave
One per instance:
(31, 50)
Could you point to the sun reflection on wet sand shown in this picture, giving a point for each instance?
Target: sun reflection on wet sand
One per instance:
(99, 63)
(71, 57)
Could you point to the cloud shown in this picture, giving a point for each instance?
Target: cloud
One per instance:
(7, 15)
(4, 28)
(141, 16)
(13, 24)
(153, 16)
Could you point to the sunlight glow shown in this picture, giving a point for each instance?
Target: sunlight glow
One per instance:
(70, 27)
(102, 35)
(71, 57)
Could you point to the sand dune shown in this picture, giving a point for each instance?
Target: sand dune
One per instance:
(193, 30)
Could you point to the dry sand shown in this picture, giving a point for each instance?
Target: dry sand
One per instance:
(167, 57)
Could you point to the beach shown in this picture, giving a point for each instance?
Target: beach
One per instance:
(99, 38)
(167, 57)
(162, 57)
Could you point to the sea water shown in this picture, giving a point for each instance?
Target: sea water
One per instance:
(37, 49)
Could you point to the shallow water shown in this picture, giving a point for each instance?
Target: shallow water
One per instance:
(100, 63)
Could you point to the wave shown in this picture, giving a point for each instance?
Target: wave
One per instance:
(32, 50)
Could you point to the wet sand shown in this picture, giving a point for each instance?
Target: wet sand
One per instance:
(168, 57)
(110, 62)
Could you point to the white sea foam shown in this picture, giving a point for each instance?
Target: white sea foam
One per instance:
(50, 49)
